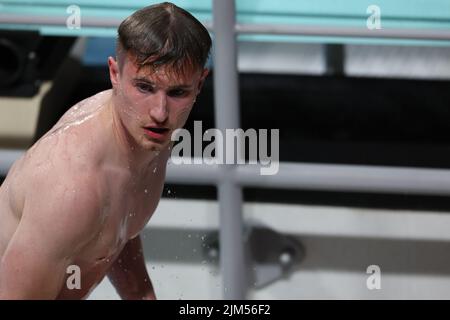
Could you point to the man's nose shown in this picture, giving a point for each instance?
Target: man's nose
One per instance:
(158, 110)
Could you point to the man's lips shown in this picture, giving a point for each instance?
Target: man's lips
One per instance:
(159, 133)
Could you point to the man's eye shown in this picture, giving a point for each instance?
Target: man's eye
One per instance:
(177, 93)
(145, 88)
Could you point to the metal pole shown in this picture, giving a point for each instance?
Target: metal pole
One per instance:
(226, 103)
(326, 177)
(355, 178)
(332, 31)
(58, 21)
(251, 28)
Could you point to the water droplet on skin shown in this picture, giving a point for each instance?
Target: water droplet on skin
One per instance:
(145, 191)
(145, 279)
(154, 170)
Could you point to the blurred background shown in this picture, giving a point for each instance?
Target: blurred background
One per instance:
(356, 85)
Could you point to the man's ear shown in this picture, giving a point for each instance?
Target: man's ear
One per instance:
(113, 71)
(205, 73)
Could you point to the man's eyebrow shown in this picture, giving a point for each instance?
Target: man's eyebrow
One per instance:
(177, 86)
(143, 79)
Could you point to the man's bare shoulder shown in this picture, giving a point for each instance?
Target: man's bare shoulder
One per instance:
(61, 177)
(84, 109)
(61, 174)
(62, 155)
(75, 142)
(64, 201)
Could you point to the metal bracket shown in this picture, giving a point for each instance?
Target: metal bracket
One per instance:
(270, 255)
(273, 256)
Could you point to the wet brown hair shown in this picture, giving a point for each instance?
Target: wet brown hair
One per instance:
(164, 35)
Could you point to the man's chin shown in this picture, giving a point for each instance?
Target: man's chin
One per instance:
(151, 145)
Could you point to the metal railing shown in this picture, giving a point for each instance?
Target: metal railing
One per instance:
(250, 28)
(231, 178)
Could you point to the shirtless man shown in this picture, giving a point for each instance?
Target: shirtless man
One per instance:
(83, 192)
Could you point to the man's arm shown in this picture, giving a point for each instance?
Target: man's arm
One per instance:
(56, 224)
(129, 275)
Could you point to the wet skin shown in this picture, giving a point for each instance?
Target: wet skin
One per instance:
(84, 191)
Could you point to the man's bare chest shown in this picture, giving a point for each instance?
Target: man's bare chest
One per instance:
(127, 206)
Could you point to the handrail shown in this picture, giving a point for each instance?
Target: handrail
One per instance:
(249, 28)
(307, 176)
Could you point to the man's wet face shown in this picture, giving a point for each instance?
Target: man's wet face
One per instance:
(152, 103)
